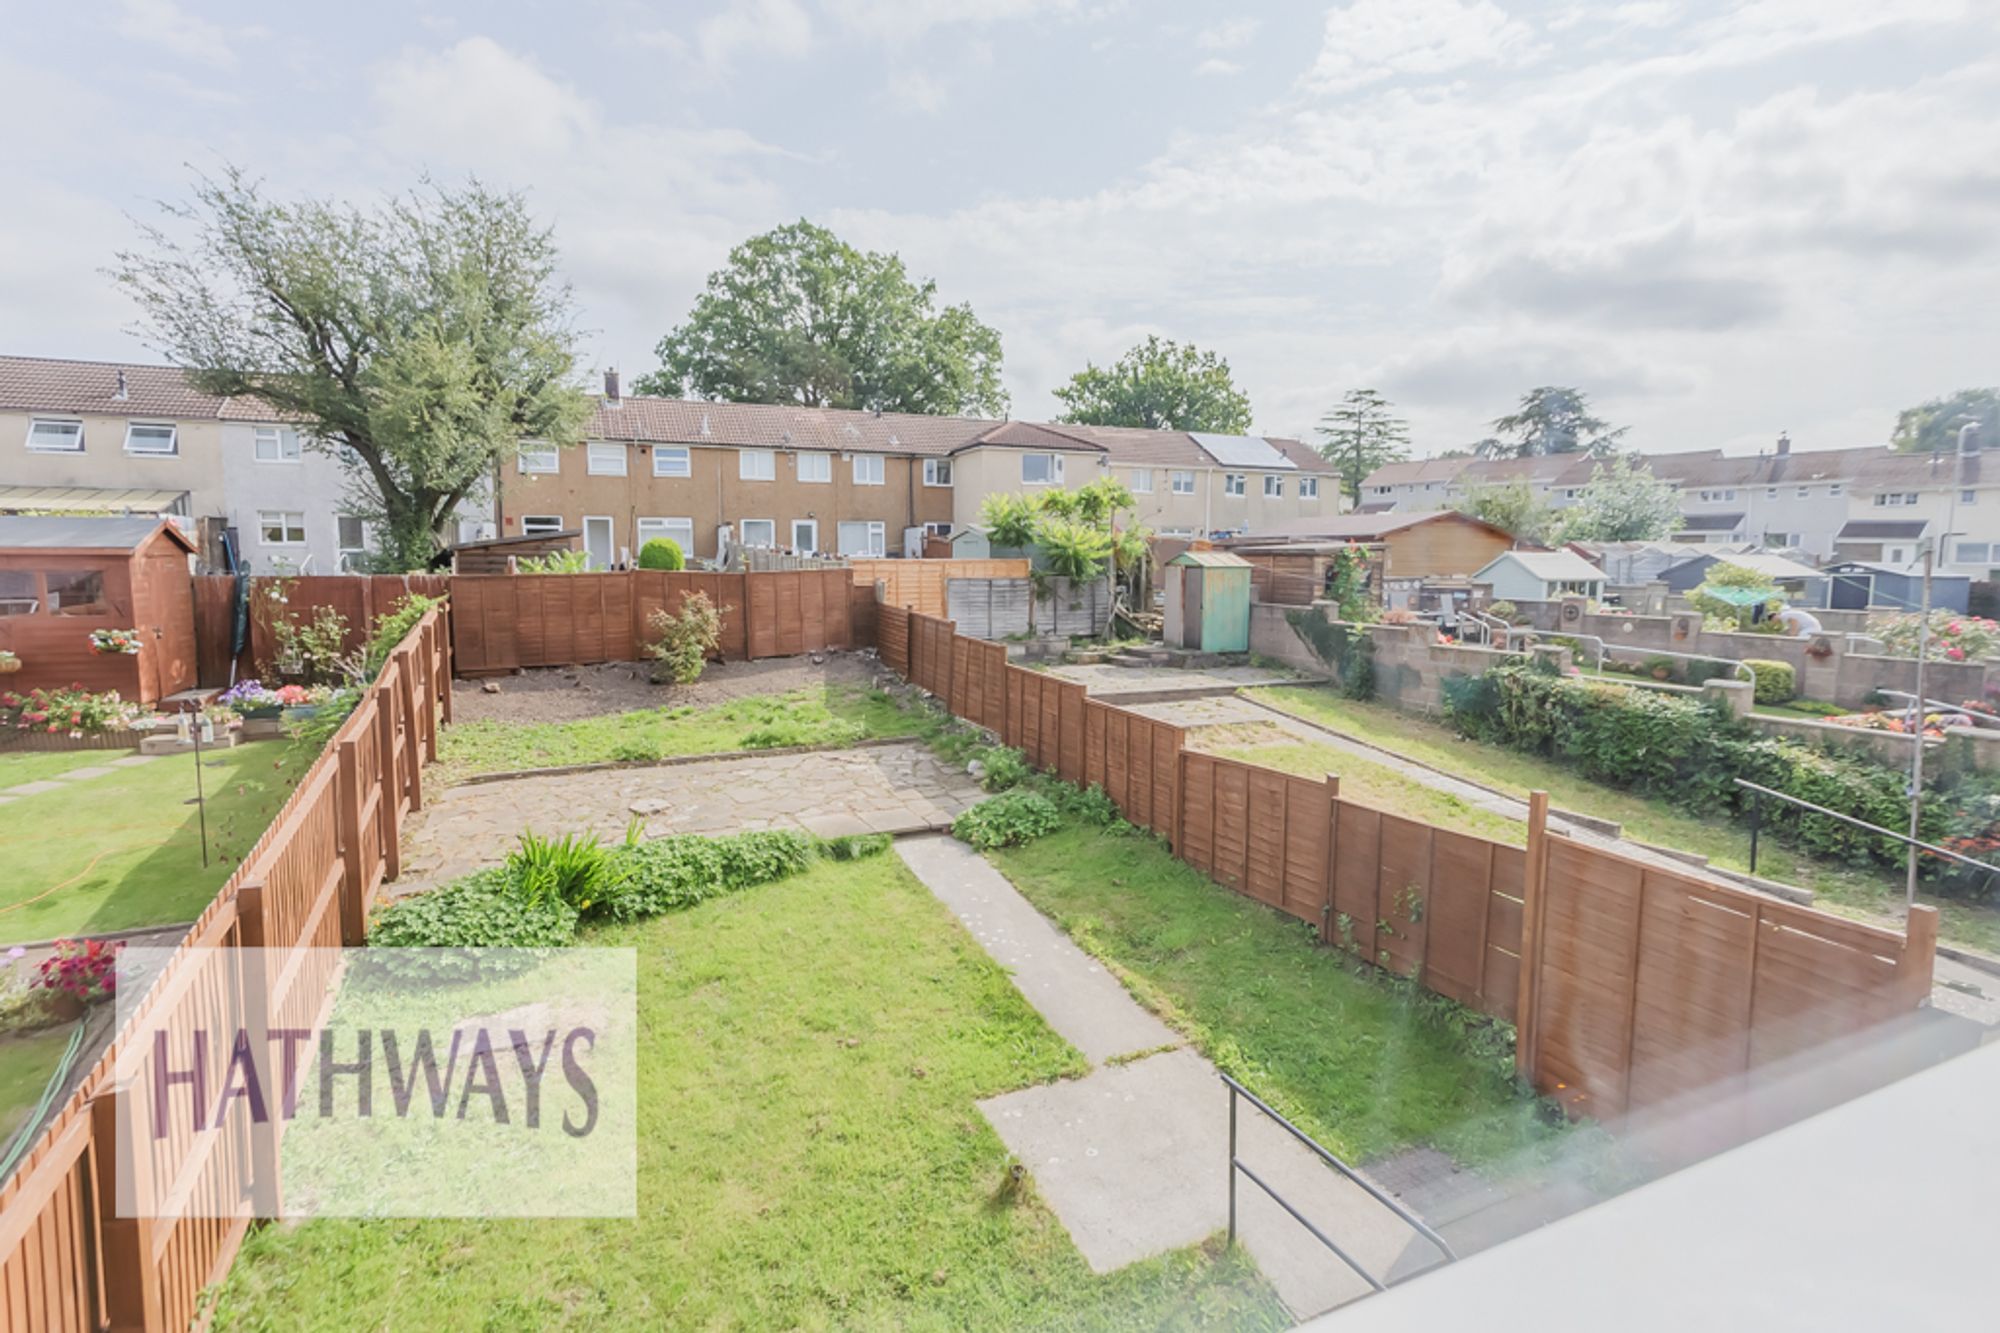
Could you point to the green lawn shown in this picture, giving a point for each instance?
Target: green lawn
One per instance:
(821, 715)
(1379, 785)
(124, 850)
(27, 1063)
(1855, 890)
(810, 1156)
(1365, 1065)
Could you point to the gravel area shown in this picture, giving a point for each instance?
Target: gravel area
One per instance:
(564, 694)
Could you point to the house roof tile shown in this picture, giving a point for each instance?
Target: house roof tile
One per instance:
(44, 384)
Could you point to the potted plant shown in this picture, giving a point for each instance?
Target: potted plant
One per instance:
(252, 700)
(10, 662)
(79, 974)
(114, 642)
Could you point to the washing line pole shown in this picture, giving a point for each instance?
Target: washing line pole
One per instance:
(1917, 729)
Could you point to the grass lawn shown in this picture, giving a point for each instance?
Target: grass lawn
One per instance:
(1365, 1065)
(27, 1063)
(1374, 784)
(124, 850)
(821, 715)
(810, 1156)
(1854, 890)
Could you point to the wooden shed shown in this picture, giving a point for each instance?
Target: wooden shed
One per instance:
(63, 578)
(496, 555)
(1441, 542)
(1208, 602)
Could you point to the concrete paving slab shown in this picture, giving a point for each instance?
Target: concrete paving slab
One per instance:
(1082, 1001)
(87, 771)
(34, 788)
(133, 760)
(834, 826)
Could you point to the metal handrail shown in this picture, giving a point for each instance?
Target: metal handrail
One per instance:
(1757, 791)
(1953, 710)
(1604, 649)
(1236, 1164)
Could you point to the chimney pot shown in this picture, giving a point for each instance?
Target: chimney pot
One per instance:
(611, 387)
(123, 393)
(1784, 443)
(1968, 438)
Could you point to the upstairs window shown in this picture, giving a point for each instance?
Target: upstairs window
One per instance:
(672, 463)
(868, 469)
(47, 435)
(152, 437)
(816, 468)
(756, 465)
(937, 472)
(1041, 469)
(1233, 484)
(1183, 483)
(281, 527)
(1142, 481)
(277, 444)
(1274, 487)
(1308, 488)
(605, 460)
(540, 458)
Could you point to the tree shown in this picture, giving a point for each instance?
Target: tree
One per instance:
(1160, 384)
(1551, 421)
(1623, 502)
(1934, 425)
(1361, 435)
(419, 343)
(1514, 506)
(797, 315)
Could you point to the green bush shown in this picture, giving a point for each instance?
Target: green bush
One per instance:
(1007, 820)
(667, 874)
(483, 911)
(854, 846)
(392, 627)
(662, 553)
(572, 868)
(1005, 767)
(1503, 610)
(1658, 668)
(1777, 683)
(1091, 805)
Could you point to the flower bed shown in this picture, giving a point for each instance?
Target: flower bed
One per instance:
(1953, 637)
(74, 712)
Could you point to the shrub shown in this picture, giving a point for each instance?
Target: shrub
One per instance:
(661, 553)
(484, 910)
(1659, 668)
(1954, 637)
(1091, 805)
(1776, 681)
(854, 846)
(683, 643)
(1007, 820)
(667, 874)
(392, 627)
(1503, 610)
(573, 868)
(555, 562)
(1003, 767)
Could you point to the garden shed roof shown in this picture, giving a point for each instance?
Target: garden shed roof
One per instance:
(40, 532)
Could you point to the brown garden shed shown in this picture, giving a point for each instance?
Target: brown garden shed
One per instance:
(62, 578)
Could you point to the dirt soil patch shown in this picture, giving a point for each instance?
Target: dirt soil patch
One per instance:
(564, 694)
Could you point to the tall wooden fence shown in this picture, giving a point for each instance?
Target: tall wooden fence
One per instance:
(920, 585)
(67, 1259)
(1629, 984)
(359, 598)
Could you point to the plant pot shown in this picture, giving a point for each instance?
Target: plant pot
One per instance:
(300, 712)
(65, 1007)
(264, 712)
(9, 664)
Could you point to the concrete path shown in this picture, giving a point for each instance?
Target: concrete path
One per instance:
(1134, 1157)
(70, 777)
(1109, 682)
(875, 789)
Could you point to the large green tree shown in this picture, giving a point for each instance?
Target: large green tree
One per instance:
(1623, 502)
(1934, 425)
(419, 341)
(1514, 506)
(1159, 384)
(1551, 420)
(1361, 435)
(798, 315)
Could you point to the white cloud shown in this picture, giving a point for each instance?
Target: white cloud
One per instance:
(763, 27)
(1229, 36)
(914, 90)
(1368, 41)
(901, 21)
(164, 24)
(1214, 67)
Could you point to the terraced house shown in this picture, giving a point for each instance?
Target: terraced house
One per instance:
(835, 482)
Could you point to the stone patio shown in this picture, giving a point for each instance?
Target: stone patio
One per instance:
(878, 789)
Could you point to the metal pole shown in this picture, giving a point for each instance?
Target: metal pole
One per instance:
(1756, 820)
(1917, 730)
(1232, 1165)
(200, 795)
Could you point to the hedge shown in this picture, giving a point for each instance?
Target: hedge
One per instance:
(1777, 683)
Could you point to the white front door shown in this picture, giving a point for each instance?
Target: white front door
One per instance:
(597, 542)
(805, 535)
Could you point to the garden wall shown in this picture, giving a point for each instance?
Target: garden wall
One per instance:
(67, 1260)
(1629, 984)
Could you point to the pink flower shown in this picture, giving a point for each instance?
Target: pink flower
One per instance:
(1955, 653)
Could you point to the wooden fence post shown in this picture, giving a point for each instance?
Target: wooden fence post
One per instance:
(447, 660)
(1332, 834)
(1916, 968)
(131, 1276)
(413, 749)
(1533, 883)
(1179, 814)
(389, 806)
(253, 975)
(347, 833)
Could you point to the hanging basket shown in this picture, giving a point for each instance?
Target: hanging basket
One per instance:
(9, 663)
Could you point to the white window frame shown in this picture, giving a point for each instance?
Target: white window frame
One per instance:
(673, 460)
(814, 467)
(756, 465)
(875, 465)
(1235, 485)
(937, 529)
(743, 527)
(1182, 483)
(279, 437)
(72, 425)
(543, 525)
(1834, 489)
(1770, 492)
(284, 526)
(878, 536)
(1274, 486)
(1142, 481)
(1962, 553)
(1308, 488)
(811, 544)
(603, 458)
(1805, 493)
(937, 472)
(539, 459)
(343, 551)
(173, 439)
(646, 529)
(1052, 465)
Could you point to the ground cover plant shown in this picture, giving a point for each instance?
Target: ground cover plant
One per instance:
(810, 1155)
(123, 849)
(1869, 891)
(821, 715)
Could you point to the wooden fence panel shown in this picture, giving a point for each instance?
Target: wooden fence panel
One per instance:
(1308, 853)
(892, 638)
(1588, 957)
(1403, 879)
(1356, 875)
(1692, 1001)
(1457, 916)
(919, 585)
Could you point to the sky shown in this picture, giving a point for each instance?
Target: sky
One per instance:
(1719, 220)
